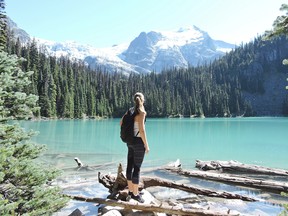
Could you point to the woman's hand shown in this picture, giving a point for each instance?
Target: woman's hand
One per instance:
(147, 149)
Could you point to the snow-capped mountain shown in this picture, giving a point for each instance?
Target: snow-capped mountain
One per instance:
(152, 51)
(155, 51)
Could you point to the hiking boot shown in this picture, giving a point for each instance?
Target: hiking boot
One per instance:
(138, 198)
(130, 193)
(129, 196)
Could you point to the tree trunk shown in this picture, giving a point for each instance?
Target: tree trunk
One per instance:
(173, 210)
(268, 185)
(235, 166)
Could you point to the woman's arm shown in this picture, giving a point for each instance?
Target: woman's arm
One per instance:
(142, 130)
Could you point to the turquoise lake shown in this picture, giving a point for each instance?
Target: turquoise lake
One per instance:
(261, 141)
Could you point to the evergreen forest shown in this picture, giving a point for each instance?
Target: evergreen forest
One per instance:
(67, 88)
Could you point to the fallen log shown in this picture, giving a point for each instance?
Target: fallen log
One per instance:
(119, 183)
(173, 210)
(235, 166)
(268, 185)
(150, 182)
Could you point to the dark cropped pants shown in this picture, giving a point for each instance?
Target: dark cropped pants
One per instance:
(136, 152)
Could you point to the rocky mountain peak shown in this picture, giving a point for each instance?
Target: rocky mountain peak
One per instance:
(152, 51)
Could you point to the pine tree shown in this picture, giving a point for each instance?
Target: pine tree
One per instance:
(280, 28)
(3, 26)
(280, 24)
(24, 183)
(33, 65)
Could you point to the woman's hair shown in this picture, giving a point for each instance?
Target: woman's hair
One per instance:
(138, 97)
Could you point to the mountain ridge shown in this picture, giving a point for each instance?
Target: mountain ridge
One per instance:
(152, 51)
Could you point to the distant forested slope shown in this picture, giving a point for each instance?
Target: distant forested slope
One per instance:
(248, 81)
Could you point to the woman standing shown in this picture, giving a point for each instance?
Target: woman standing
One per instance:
(137, 149)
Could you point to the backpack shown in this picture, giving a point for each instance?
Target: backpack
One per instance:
(127, 127)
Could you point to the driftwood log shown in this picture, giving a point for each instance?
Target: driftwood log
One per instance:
(174, 210)
(235, 166)
(119, 183)
(150, 182)
(268, 185)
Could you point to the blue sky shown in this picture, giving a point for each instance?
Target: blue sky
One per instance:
(103, 23)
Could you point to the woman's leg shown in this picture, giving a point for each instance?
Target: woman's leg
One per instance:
(129, 169)
(130, 186)
(139, 152)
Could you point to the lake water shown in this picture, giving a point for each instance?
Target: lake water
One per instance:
(260, 141)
